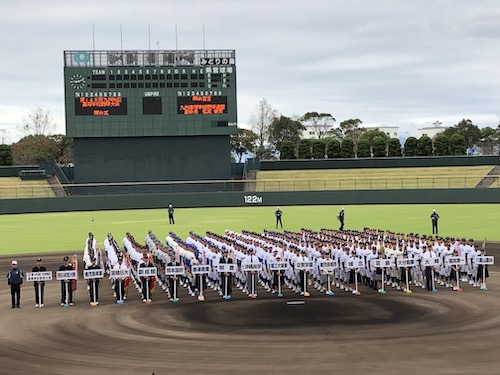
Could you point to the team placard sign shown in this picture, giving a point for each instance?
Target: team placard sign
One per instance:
(251, 267)
(328, 266)
(304, 266)
(485, 260)
(200, 270)
(227, 267)
(39, 276)
(174, 270)
(119, 274)
(67, 275)
(455, 261)
(381, 263)
(431, 262)
(355, 263)
(406, 262)
(147, 271)
(278, 266)
(93, 274)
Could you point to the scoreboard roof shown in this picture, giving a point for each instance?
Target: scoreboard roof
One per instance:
(149, 58)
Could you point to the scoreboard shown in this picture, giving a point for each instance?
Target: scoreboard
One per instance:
(150, 93)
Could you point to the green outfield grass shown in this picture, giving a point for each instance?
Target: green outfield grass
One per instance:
(371, 178)
(14, 187)
(31, 233)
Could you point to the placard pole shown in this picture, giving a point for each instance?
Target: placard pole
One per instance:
(67, 293)
(383, 281)
(39, 295)
(407, 281)
(225, 286)
(356, 280)
(458, 279)
(484, 277)
(279, 285)
(93, 292)
(433, 280)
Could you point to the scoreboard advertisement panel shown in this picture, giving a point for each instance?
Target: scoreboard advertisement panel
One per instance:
(150, 93)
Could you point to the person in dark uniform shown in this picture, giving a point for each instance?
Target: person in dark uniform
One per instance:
(340, 217)
(39, 285)
(227, 277)
(15, 280)
(93, 284)
(170, 210)
(146, 281)
(434, 220)
(66, 290)
(173, 279)
(278, 213)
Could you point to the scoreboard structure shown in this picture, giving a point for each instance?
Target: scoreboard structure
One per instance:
(150, 115)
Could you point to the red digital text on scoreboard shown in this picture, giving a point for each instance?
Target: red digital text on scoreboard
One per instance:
(202, 105)
(101, 106)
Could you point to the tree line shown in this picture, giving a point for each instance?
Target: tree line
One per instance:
(273, 134)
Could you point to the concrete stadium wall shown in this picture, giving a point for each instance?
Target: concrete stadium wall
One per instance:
(231, 199)
(400, 162)
(13, 170)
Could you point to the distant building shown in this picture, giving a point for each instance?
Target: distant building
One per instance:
(311, 131)
(390, 131)
(431, 131)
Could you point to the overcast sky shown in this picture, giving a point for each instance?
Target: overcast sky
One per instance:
(386, 62)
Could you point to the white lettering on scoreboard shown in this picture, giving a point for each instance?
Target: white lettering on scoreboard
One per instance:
(355, 263)
(227, 267)
(455, 261)
(66, 275)
(200, 270)
(304, 266)
(278, 266)
(431, 262)
(406, 262)
(485, 259)
(250, 267)
(93, 274)
(146, 271)
(381, 263)
(39, 276)
(174, 270)
(119, 274)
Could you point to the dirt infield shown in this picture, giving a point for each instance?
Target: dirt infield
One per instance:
(438, 333)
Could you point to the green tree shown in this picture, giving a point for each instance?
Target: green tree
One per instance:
(379, 147)
(441, 145)
(468, 130)
(488, 141)
(424, 146)
(283, 129)
(305, 149)
(370, 134)
(5, 155)
(287, 150)
(34, 149)
(318, 149)
(394, 147)
(350, 129)
(320, 123)
(347, 148)
(363, 149)
(333, 148)
(411, 146)
(65, 148)
(243, 142)
(457, 144)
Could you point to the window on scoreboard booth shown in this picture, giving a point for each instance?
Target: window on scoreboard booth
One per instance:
(151, 105)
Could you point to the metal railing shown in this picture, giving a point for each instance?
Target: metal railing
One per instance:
(259, 185)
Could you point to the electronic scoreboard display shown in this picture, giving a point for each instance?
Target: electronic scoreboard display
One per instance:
(150, 93)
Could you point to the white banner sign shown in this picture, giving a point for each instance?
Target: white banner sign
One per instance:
(485, 259)
(304, 266)
(278, 266)
(248, 267)
(455, 261)
(328, 266)
(174, 270)
(355, 263)
(119, 274)
(93, 274)
(66, 275)
(381, 263)
(406, 262)
(146, 271)
(228, 267)
(431, 262)
(200, 270)
(39, 276)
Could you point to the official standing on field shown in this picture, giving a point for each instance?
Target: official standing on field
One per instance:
(434, 220)
(39, 285)
(340, 216)
(278, 213)
(15, 280)
(66, 290)
(170, 211)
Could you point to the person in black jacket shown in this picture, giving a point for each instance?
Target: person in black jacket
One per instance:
(15, 280)
(66, 290)
(340, 216)
(278, 213)
(434, 220)
(146, 281)
(93, 284)
(170, 211)
(227, 277)
(39, 285)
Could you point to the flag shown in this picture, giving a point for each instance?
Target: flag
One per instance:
(483, 246)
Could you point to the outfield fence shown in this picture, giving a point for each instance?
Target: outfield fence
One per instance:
(259, 185)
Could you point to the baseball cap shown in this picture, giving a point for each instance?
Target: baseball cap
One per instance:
(39, 260)
(14, 262)
(66, 258)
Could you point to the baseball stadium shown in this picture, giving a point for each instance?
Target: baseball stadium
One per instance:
(156, 254)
